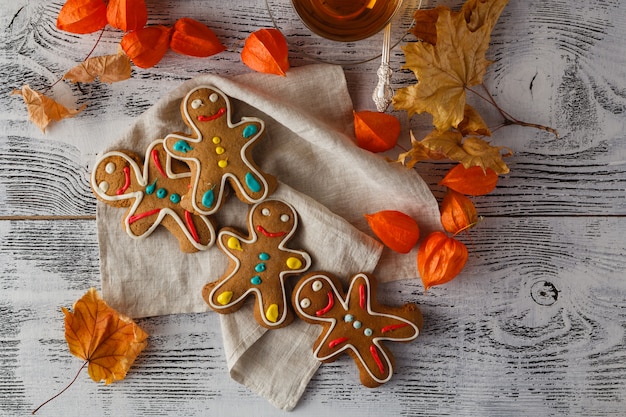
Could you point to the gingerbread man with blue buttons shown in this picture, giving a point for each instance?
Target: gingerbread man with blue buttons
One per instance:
(259, 265)
(218, 151)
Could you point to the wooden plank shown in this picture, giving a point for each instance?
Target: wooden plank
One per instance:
(536, 320)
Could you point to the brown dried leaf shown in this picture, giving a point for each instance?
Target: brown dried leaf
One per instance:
(43, 110)
(417, 153)
(109, 68)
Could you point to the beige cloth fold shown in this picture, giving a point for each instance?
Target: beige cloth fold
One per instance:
(330, 182)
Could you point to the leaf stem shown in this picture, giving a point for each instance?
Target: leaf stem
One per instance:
(508, 118)
(63, 390)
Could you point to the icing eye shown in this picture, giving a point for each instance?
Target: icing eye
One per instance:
(110, 168)
(196, 104)
(317, 285)
(266, 212)
(104, 186)
(305, 303)
(284, 218)
(214, 97)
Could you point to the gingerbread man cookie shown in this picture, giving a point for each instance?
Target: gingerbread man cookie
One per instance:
(153, 189)
(259, 264)
(218, 151)
(355, 323)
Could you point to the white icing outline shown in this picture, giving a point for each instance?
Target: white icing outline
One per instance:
(220, 195)
(254, 290)
(138, 195)
(344, 303)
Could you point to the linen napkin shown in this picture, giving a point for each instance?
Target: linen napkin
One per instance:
(309, 147)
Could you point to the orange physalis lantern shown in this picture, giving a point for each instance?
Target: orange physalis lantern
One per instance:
(458, 213)
(470, 181)
(397, 230)
(82, 16)
(194, 38)
(127, 15)
(440, 259)
(146, 46)
(266, 51)
(376, 131)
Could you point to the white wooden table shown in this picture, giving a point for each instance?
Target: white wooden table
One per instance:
(535, 325)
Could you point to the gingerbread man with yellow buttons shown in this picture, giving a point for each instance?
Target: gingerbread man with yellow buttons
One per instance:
(259, 265)
(218, 151)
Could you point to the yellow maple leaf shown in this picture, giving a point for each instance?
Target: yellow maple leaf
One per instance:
(417, 153)
(104, 338)
(473, 123)
(108, 68)
(447, 68)
(471, 151)
(479, 13)
(43, 110)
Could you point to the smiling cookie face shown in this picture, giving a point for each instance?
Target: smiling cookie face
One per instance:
(273, 220)
(204, 105)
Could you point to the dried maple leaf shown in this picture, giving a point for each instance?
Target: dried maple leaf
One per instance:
(266, 51)
(471, 151)
(417, 153)
(480, 13)
(109, 68)
(473, 123)
(43, 110)
(107, 340)
(376, 131)
(457, 61)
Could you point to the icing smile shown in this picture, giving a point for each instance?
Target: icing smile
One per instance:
(220, 113)
(269, 234)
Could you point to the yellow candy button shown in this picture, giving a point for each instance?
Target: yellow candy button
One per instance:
(225, 297)
(294, 263)
(222, 163)
(234, 243)
(272, 313)
(216, 139)
(219, 150)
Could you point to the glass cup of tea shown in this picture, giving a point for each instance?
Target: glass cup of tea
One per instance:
(346, 20)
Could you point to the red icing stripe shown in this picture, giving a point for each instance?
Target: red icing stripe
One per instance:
(133, 219)
(374, 353)
(269, 234)
(362, 299)
(126, 181)
(393, 327)
(331, 303)
(191, 227)
(336, 342)
(219, 113)
(157, 163)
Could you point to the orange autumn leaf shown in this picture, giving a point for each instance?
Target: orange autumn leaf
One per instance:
(458, 213)
(108, 68)
(266, 51)
(397, 230)
(456, 62)
(376, 131)
(146, 46)
(470, 181)
(440, 259)
(193, 38)
(43, 110)
(107, 340)
(127, 15)
(82, 16)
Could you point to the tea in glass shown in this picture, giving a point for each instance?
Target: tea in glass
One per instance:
(346, 20)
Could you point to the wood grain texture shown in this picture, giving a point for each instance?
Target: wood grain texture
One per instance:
(535, 325)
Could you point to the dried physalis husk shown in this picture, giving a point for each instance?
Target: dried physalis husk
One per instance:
(193, 38)
(266, 51)
(376, 131)
(146, 46)
(127, 15)
(440, 259)
(458, 213)
(82, 16)
(470, 181)
(397, 230)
